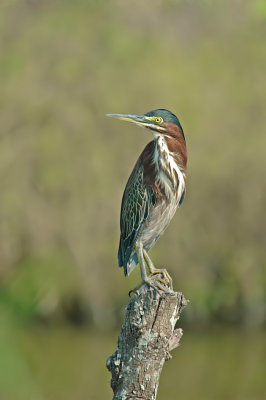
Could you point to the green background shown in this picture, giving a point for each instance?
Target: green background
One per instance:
(63, 167)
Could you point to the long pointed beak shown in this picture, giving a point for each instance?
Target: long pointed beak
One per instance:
(141, 120)
(136, 119)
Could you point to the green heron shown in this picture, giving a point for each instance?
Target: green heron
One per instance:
(155, 189)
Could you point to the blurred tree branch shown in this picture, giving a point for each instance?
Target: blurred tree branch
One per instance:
(146, 338)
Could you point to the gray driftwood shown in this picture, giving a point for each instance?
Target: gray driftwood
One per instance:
(146, 338)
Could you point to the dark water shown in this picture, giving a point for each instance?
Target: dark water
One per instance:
(69, 364)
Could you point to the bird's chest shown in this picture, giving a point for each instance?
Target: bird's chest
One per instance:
(159, 218)
(168, 186)
(169, 176)
(162, 213)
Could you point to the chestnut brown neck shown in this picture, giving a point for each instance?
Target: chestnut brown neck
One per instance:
(176, 143)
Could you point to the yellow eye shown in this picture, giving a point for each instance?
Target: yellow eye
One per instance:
(158, 120)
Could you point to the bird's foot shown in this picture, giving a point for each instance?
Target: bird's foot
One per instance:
(135, 289)
(162, 276)
(159, 279)
(165, 277)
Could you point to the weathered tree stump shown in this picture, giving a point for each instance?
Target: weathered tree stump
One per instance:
(146, 338)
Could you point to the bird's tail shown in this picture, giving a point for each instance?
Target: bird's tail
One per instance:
(132, 262)
(128, 261)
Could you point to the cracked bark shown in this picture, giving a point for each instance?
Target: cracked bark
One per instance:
(146, 338)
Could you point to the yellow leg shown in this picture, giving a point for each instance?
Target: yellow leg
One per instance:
(158, 279)
(156, 271)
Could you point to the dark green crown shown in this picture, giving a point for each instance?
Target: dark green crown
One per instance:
(166, 115)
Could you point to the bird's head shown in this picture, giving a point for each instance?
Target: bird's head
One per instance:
(161, 121)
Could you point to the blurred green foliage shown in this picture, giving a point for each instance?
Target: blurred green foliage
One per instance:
(63, 363)
(63, 167)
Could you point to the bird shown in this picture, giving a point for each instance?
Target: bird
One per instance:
(154, 191)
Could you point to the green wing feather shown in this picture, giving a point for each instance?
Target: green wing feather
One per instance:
(136, 203)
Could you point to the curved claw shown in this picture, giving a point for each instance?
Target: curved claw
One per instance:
(166, 278)
(158, 279)
(155, 285)
(156, 282)
(135, 289)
